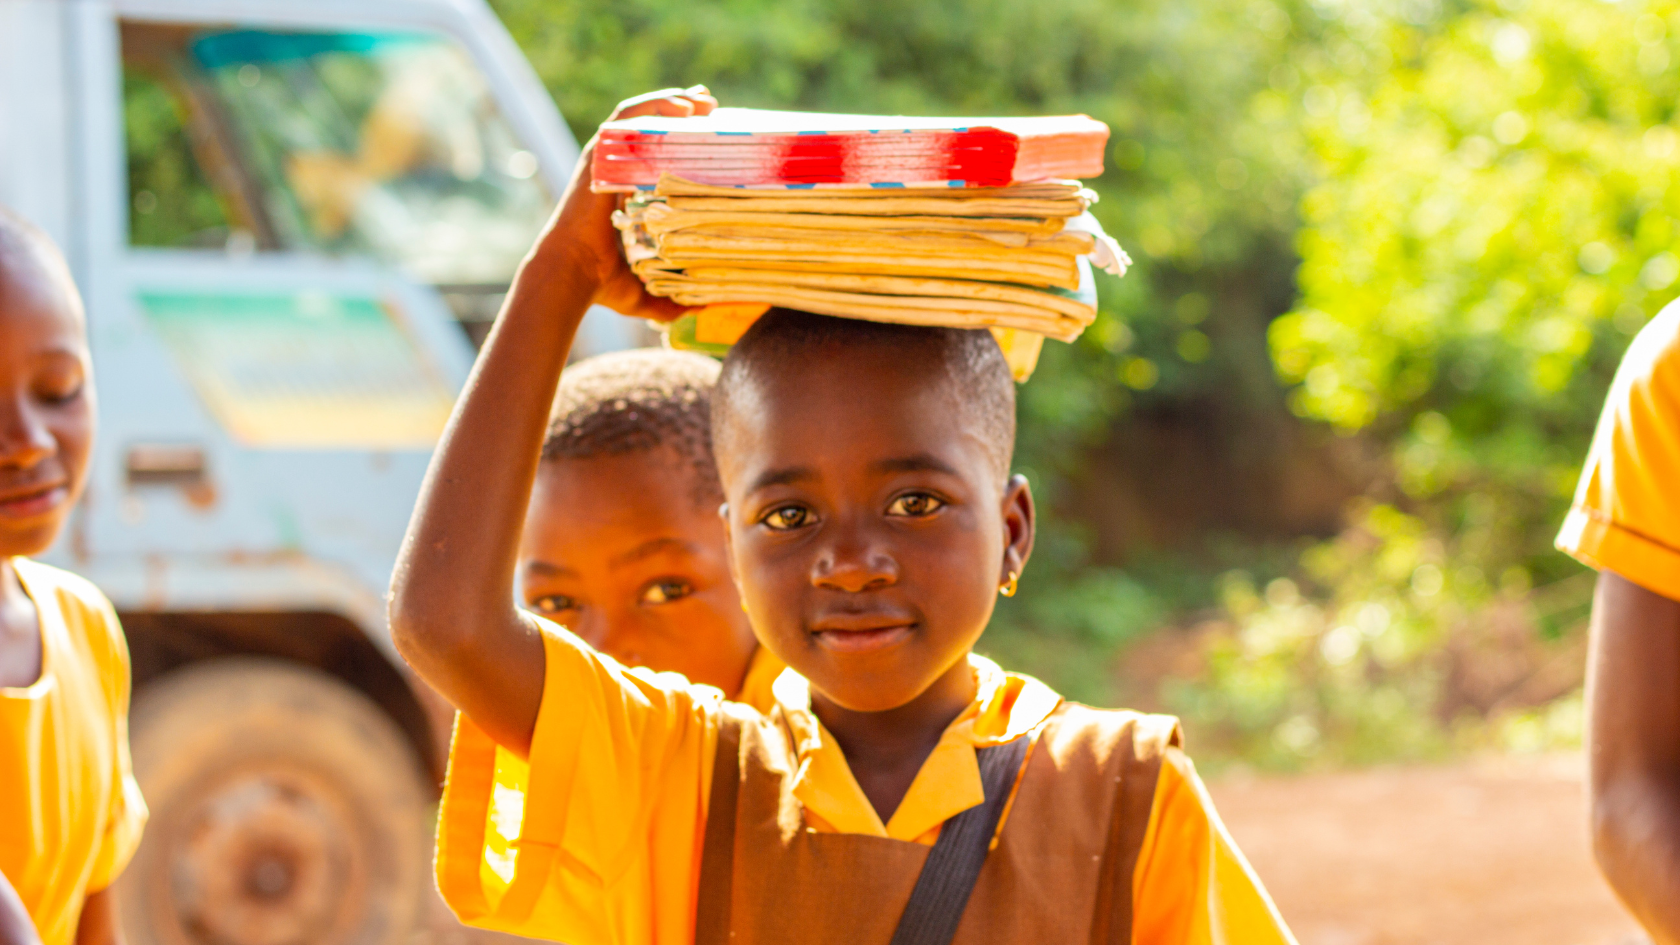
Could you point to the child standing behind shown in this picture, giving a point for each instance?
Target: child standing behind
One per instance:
(623, 545)
(622, 542)
(70, 811)
(872, 522)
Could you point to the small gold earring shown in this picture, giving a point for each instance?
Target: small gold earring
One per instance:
(1007, 588)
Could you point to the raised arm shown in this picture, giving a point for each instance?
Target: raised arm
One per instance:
(98, 924)
(452, 613)
(1633, 694)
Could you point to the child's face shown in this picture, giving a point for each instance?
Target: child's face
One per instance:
(869, 525)
(620, 551)
(46, 401)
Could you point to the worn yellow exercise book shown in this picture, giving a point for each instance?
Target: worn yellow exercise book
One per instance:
(1013, 259)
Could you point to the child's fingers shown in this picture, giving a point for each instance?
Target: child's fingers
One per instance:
(637, 101)
(704, 101)
(661, 310)
(671, 103)
(625, 294)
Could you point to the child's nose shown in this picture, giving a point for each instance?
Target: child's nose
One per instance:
(610, 633)
(24, 437)
(854, 566)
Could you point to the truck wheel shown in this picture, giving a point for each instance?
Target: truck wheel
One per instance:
(287, 809)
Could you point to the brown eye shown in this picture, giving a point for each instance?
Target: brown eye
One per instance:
(915, 505)
(666, 591)
(787, 517)
(553, 604)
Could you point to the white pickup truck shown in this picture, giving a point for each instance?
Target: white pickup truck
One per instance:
(291, 220)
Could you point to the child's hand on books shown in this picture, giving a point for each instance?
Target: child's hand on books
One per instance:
(671, 103)
(584, 218)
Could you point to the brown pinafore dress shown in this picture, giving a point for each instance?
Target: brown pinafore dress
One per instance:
(1061, 870)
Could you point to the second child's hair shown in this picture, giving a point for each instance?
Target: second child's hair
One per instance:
(638, 401)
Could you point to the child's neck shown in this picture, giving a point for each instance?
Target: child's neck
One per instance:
(886, 749)
(20, 631)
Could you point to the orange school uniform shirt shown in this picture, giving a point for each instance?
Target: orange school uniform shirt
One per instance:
(621, 766)
(70, 811)
(1626, 513)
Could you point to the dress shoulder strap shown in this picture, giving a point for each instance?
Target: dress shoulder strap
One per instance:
(1140, 747)
(717, 851)
(952, 867)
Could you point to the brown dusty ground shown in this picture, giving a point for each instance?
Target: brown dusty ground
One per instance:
(1491, 852)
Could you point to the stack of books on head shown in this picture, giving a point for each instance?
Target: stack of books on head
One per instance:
(958, 222)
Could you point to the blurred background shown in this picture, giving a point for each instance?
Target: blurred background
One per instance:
(1298, 482)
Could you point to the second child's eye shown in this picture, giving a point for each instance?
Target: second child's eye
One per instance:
(666, 591)
(553, 604)
(787, 517)
(915, 505)
(60, 392)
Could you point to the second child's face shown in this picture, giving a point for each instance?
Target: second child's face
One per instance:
(869, 528)
(619, 551)
(46, 404)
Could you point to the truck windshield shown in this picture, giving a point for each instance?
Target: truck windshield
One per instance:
(382, 145)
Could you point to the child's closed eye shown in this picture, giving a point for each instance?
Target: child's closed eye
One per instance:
(915, 505)
(55, 387)
(666, 590)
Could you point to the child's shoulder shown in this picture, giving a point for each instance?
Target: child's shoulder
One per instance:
(87, 614)
(1653, 357)
(72, 588)
(1103, 736)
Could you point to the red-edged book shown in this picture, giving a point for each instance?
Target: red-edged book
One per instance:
(745, 147)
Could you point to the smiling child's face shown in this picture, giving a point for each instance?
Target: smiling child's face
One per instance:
(618, 549)
(46, 395)
(870, 525)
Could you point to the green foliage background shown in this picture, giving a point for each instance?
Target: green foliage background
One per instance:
(1202, 186)
(1479, 197)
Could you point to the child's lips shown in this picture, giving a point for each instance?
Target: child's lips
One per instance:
(848, 636)
(23, 505)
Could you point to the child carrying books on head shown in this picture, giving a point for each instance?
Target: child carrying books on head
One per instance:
(901, 788)
(70, 811)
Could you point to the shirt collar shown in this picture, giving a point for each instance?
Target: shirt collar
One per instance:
(762, 672)
(1006, 706)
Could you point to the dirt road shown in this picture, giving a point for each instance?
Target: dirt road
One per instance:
(1486, 853)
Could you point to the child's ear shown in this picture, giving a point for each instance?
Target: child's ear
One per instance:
(1018, 519)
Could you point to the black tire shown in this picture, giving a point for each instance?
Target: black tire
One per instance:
(287, 809)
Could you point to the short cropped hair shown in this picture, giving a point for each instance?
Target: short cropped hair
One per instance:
(638, 401)
(969, 359)
(22, 243)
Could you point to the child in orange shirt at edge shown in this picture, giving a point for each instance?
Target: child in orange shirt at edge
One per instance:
(70, 811)
(1625, 521)
(871, 522)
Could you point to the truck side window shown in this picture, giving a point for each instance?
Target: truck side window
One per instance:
(171, 204)
(388, 146)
